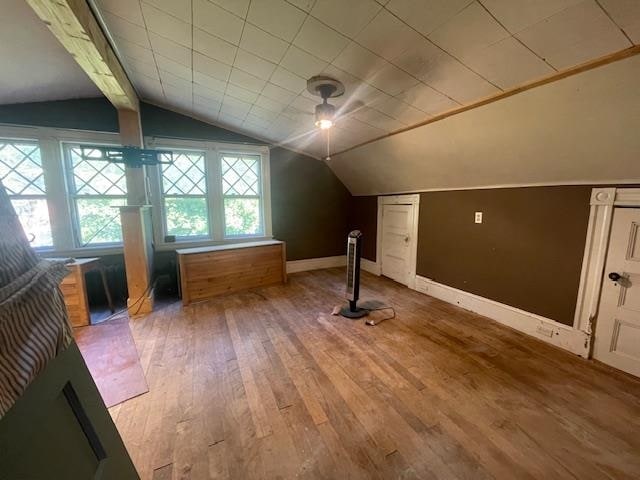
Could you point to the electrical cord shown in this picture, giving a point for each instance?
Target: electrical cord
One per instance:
(373, 322)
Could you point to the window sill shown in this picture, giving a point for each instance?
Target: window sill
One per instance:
(170, 247)
(83, 252)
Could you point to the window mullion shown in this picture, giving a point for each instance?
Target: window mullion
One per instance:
(215, 198)
(57, 198)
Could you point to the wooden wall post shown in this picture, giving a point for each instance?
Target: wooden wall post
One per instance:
(138, 257)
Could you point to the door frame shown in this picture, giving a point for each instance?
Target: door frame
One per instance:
(603, 201)
(413, 199)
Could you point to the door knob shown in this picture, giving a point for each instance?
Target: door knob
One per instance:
(406, 239)
(615, 276)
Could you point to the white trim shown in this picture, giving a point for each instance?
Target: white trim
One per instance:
(624, 181)
(603, 201)
(547, 330)
(414, 200)
(294, 266)
(369, 266)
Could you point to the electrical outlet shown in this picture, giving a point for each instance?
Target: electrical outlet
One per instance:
(478, 217)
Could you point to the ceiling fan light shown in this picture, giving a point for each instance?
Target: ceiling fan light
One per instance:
(324, 115)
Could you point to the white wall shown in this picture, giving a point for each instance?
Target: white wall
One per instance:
(582, 129)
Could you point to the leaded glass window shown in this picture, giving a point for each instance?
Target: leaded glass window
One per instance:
(22, 175)
(241, 195)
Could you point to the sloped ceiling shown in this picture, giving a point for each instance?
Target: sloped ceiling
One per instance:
(582, 129)
(244, 64)
(35, 67)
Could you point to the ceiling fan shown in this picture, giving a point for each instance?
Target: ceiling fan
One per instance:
(326, 115)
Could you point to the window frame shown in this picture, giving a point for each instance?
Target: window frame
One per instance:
(73, 196)
(60, 215)
(215, 198)
(29, 196)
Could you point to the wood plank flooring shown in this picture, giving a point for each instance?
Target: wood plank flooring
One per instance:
(267, 385)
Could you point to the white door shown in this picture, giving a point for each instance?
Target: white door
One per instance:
(397, 225)
(617, 340)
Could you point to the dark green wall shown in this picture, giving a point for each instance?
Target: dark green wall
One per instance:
(363, 216)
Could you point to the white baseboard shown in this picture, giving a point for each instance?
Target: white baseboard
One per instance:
(545, 329)
(316, 263)
(369, 266)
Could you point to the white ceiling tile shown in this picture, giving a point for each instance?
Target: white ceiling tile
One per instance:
(142, 81)
(320, 40)
(276, 17)
(174, 67)
(262, 113)
(457, 81)
(143, 68)
(124, 9)
(170, 49)
(420, 58)
(387, 36)
(516, 15)
(246, 80)
(575, 35)
(426, 15)
(305, 5)
(302, 63)
(213, 47)
(390, 79)
(400, 110)
(211, 67)
(427, 99)
(237, 7)
(277, 93)
(178, 96)
(470, 30)
(211, 102)
(207, 93)
(232, 106)
(240, 93)
(263, 44)
(626, 14)
(378, 119)
(164, 24)
(119, 27)
(133, 51)
(204, 85)
(227, 118)
(254, 65)
(508, 63)
(255, 124)
(359, 61)
(303, 104)
(217, 21)
(269, 104)
(206, 106)
(346, 17)
(290, 81)
(177, 8)
(175, 81)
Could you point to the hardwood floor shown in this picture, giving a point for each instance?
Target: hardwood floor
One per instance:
(269, 385)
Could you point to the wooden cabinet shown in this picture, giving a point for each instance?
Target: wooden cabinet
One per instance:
(210, 271)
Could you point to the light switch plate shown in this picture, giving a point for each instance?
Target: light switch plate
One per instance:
(478, 217)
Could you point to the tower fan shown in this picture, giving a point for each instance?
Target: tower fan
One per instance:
(354, 247)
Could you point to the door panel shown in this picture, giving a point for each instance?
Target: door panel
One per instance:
(60, 429)
(617, 340)
(396, 241)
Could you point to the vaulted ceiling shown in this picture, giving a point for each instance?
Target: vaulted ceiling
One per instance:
(244, 63)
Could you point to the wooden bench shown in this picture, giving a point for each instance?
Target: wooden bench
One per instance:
(207, 272)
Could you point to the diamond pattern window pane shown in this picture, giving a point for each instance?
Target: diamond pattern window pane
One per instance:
(21, 168)
(185, 176)
(241, 175)
(96, 177)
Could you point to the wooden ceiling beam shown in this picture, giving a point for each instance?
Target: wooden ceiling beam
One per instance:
(74, 25)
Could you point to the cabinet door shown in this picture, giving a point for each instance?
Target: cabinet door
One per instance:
(61, 429)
